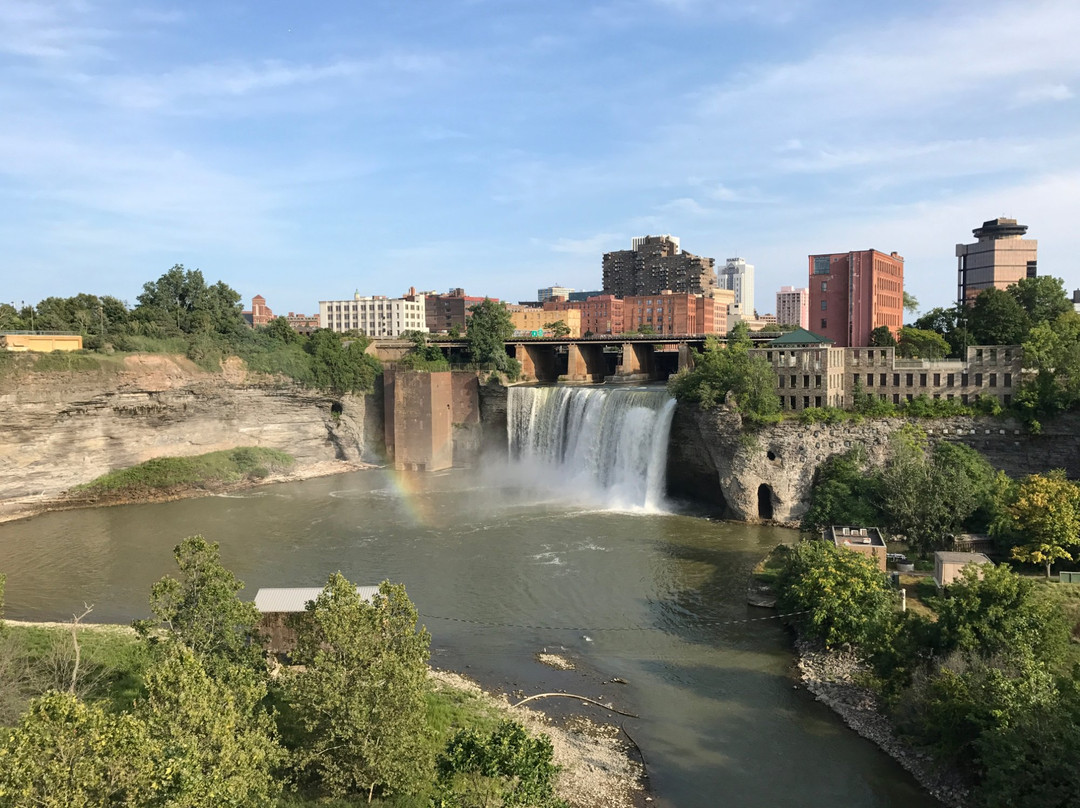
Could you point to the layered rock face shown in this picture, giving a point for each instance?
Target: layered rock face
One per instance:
(768, 473)
(61, 429)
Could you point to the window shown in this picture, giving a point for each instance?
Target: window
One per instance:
(817, 401)
(978, 380)
(993, 380)
(910, 379)
(824, 305)
(1008, 380)
(817, 381)
(792, 400)
(937, 380)
(964, 381)
(896, 379)
(824, 323)
(895, 398)
(909, 396)
(793, 385)
(781, 382)
(951, 380)
(824, 286)
(805, 382)
(922, 380)
(964, 398)
(881, 379)
(869, 379)
(806, 402)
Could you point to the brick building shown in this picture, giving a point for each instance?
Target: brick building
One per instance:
(260, 313)
(443, 312)
(674, 313)
(999, 258)
(853, 293)
(527, 319)
(656, 263)
(602, 314)
(302, 323)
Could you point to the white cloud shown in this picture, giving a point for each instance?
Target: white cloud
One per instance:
(1041, 93)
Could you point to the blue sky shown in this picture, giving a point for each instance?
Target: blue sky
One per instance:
(306, 150)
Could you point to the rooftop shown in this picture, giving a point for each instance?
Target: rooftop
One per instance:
(296, 598)
(800, 336)
(847, 534)
(1000, 228)
(954, 557)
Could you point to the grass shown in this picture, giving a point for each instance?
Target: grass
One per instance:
(200, 471)
(768, 569)
(920, 589)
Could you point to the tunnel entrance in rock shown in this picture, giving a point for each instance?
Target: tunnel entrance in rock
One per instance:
(336, 408)
(764, 502)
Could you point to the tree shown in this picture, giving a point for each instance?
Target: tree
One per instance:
(911, 303)
(916, 342)
(646, 329)
(1042, 297)
(559, 328)
(181, 302)
(423, 355)
(992, 611)
(719, 370)
(1046, 513)
(928, 496)
(1052, 350)
(66, 753)
(280, 330)
(845, 492)
(341, 368)
(213, 742)
(489, 328)
(202, 611)
(882, 337)
(996, 318)
(359, 696)
(843, 593)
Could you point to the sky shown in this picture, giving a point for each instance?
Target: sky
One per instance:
(306, 151)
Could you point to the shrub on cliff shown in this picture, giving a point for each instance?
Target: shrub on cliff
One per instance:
(721, 369)
(339, 367)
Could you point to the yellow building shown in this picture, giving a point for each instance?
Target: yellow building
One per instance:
(527, 320)
(41, 342)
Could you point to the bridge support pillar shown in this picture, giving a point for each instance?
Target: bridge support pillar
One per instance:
(584, 363)
(686, 357)
(637, 363)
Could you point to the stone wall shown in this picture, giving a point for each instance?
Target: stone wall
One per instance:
(767, 474)
(61, 429)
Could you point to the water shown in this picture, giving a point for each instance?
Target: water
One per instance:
(661, 597)
(605, 445)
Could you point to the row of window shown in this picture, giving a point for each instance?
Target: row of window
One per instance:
(950, 379)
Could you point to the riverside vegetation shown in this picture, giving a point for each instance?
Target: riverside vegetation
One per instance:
(185, 712)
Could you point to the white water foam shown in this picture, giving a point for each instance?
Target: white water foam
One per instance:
(601, 445)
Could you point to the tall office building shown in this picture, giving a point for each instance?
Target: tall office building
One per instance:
(738, 276)
(549, 292)
(853, 293)
(1000, 257)
(793, 306)
(656, 264)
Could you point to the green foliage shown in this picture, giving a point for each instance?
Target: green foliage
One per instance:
(212, 741)
(882, 337)
(359, 698)
(719, 370)
(226, 466)
(341, 368)
(845, 492)
(996, 318)
(202, 609)
(66, 753)
(923, 344)
(868, 404)
(993, 611)
(951, 324)
(490, 326)
(423, 356)
(1043, 298)
(931, 494)
(1052, 350)
(280, 331)
(519, 764)
(911, 303)
(1044, 511)
(181, 302)
(559, 328)
(843, 592)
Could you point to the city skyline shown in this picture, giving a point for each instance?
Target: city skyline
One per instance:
(303, 154)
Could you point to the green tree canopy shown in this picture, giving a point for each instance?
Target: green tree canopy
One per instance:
(845, 492)
(922, 344)
(911, 303)
(1043, 298)
(359, 696)
(489, 328)
(882, 337)
(180, 302)
(720, 369)
(202, 609)
(339, 367)
(1046, 514)
(996, 318)
(1052, 350)
(843, 593)
(558, 328)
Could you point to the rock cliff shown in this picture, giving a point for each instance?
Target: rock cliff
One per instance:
(767, 474)
(61, 429)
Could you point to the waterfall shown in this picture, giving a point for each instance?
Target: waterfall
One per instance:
(607, 445)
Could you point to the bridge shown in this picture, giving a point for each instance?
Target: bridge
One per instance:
(609, 357)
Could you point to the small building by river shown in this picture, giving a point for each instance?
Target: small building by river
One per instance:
(282, 607)
(866, 541)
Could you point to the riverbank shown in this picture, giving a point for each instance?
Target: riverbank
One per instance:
(832, 677)
(26, 507)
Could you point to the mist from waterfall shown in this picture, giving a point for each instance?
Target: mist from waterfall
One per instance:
(601, 445)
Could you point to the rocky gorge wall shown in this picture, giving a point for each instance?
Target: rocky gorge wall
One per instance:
(767, 474)
(59, 429)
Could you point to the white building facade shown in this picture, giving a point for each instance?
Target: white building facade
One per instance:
(793, 306)
(738, 276)
(376, 316)
(549, 292)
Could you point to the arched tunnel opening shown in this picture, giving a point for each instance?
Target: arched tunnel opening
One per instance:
(764, 502)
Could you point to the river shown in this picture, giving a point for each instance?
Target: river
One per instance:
(656, 598)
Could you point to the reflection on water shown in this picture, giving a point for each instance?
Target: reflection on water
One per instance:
(657, 600)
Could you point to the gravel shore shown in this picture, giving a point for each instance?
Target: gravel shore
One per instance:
(830, 676)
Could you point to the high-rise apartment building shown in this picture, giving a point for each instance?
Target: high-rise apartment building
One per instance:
(549, 292)
(655, 264)
(738, 276)
(1000, 257)
(376, 316)
(793, 306)
(853, 293)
